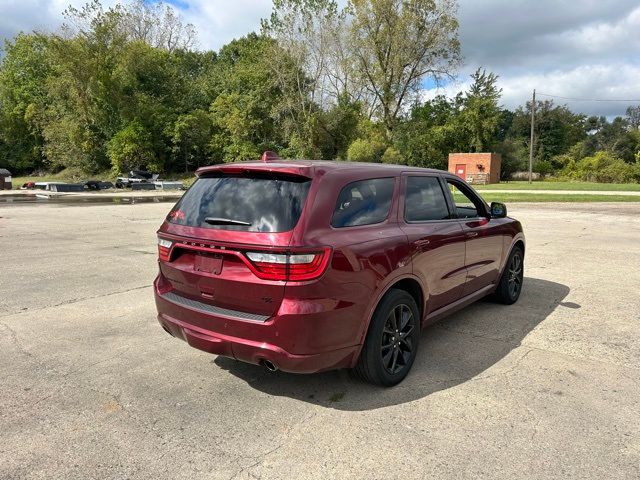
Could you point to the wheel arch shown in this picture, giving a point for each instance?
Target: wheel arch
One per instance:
(410, 284)
(413, 288)
(517, 241)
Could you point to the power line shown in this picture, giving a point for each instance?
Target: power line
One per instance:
(591, 99)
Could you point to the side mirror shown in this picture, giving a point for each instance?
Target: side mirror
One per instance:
(498, 210)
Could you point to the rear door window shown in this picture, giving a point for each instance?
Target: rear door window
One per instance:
(425, 200)
(252, 203)
(364, 202)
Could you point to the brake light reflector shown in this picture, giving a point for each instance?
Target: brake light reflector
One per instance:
(293, 267)
(164, 249)
(259, 257)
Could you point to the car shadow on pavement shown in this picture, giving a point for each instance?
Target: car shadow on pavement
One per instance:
(453, 351)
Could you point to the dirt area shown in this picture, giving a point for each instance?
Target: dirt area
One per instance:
(92, 387)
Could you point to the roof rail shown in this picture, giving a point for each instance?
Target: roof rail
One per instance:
(270, 156)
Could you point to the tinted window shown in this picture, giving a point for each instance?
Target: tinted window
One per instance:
(264, 203)
(363, 203)
(467, 206)
(425, 200)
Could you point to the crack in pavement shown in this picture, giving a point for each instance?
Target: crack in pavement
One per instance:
(75, 300)
(261, 458)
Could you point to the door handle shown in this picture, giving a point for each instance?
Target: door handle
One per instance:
(472, 234)
(423, 243)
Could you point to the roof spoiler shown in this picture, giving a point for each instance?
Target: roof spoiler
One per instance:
(270, 156)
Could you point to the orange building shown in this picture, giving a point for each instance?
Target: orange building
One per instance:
(479, 168)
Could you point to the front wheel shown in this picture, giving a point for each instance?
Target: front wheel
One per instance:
(391, 344)
(510, 285)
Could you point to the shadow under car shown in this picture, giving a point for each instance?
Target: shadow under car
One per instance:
(452, 351)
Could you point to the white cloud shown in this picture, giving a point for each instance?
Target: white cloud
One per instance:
(40, 15)
(613, 81)
(579, 49)
(217, 21)
(220, 21)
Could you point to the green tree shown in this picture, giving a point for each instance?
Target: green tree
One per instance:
(393, 156)
(338, 127)
(481, 114)
(238, 127)
(82, 112)
(192, 133)
(121, 87)
(556, 128)
(130, 149)
(431, 131)
(626, 145)
(24, 69)
(514, 154)
(365, 151)
(397, 44)
(602, 167)
(248, 112)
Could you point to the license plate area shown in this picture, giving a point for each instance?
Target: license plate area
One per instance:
(208, 263)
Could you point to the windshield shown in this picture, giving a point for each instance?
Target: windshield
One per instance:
(252, 203)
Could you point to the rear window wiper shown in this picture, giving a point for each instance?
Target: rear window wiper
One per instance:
(225, 221)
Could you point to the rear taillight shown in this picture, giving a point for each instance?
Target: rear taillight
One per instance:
(164, 249)
(293, 267)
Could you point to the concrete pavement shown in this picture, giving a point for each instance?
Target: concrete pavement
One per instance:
(92, 387)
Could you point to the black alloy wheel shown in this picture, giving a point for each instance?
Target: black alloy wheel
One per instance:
(510, 286)
(391, 344)
(516, 274)
(397, 346)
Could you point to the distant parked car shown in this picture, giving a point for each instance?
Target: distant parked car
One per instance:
(307, 266)
(136, 176)
(97, 185)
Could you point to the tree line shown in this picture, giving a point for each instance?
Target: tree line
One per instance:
(126, 87)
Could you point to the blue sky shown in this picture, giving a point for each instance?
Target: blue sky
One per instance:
(579, 48)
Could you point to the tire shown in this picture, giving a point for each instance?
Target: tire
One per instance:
(386, 359)
(510, 286)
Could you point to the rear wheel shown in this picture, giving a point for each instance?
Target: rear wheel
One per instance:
(510, 285)
(391, 344)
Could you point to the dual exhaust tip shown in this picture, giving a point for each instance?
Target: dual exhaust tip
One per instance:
(264, 362)
(269, 365)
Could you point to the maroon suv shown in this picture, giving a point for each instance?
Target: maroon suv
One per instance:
(307, 266)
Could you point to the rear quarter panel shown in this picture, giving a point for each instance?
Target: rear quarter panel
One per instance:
(365, 260)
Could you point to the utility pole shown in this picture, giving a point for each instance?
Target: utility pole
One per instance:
(533, 119)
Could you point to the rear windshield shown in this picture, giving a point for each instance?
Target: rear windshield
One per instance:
(251, 203)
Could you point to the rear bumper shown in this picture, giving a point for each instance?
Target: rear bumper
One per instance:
(186, 324)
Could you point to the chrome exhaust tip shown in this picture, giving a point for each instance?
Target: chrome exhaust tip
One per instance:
(269, 364)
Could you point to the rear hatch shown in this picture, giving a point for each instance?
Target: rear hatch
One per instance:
(226, 242)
